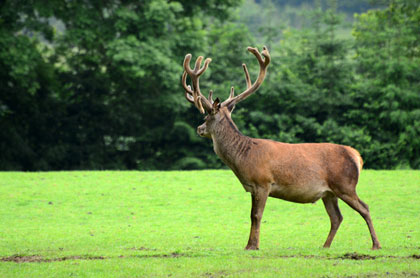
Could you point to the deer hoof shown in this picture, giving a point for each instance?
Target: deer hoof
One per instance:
(376, 247)
(250, 247)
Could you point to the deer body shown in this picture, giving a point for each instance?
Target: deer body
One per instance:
(301, 173)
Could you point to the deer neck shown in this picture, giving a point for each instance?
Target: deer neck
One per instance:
(229, 143)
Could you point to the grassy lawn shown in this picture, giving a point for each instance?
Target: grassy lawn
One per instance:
(196, 224)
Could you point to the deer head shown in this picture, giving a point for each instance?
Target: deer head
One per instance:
(216, 111)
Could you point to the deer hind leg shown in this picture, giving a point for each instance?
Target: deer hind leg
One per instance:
(259, 198)
(362, 208)
(331, 205)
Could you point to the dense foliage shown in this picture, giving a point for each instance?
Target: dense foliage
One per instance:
(96, 84)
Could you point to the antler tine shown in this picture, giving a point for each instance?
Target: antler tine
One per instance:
(211, 96)
(266, 55)
(264, 62)
(188, 95)
(184, 84)
(206, 64)
(248, 80)
(257, 54)
(232, 94)
(187, 61)
(261, 61)
(198, 64)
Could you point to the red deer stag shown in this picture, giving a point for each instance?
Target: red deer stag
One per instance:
(301, 173)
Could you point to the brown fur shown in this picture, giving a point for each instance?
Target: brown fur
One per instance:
(301, 173)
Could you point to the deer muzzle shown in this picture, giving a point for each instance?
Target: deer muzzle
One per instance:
(202, 130)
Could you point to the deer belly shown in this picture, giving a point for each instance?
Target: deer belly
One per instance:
(299, 193)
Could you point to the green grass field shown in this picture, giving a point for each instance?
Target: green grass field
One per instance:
(196, 224)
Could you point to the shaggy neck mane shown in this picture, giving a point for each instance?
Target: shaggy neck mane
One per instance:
(229, 143)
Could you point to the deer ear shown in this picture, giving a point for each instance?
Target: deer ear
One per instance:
(216, 106)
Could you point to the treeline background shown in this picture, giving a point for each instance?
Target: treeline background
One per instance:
(96, 84)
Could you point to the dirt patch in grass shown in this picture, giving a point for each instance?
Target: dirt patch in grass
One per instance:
(216, 274)
(142, 248)
(356, 256)
(22, 259)
(40, 259)
(171, 255)
(288, 256)
(386, 274)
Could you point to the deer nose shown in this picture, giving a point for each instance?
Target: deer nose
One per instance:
(200, 130)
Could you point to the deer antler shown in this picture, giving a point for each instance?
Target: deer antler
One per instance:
(195, 96)
(233, 100)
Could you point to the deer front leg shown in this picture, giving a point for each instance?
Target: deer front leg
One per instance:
(259, 198)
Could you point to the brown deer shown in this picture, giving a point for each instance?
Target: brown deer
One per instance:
(301, 173)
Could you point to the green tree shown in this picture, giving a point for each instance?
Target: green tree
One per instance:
(29, 106)
(388, 98)
(321, 88)
(103, 91)
(308, 88)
